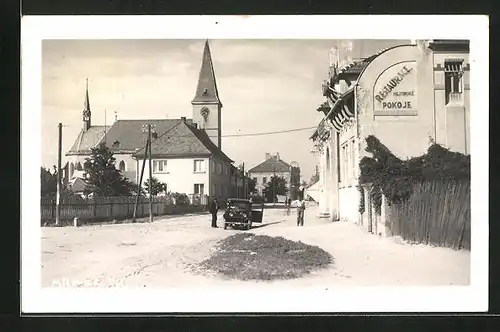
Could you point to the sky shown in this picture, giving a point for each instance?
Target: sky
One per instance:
(264, 85)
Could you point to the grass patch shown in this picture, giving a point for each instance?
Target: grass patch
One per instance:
(247, 256)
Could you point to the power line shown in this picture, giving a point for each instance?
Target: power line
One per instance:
(270, 132)
(243, 135)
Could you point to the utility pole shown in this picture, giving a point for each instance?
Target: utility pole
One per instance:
(140, 182)
(58, 194)
(244, 184)
(150, 176)
(105, 128)
(274, 185)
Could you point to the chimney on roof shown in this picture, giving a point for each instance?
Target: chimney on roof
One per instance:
(278, 155)
(268, 156)
(183, 119)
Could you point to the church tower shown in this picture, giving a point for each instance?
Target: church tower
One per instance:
(206, 103)
(86, 108)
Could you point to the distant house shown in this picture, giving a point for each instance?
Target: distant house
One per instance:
(186, 153)
(274, 166)
(77, 186)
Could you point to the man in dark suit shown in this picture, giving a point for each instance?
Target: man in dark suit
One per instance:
(213, 209)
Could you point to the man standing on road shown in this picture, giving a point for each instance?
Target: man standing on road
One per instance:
(301, 206)
(213, 209)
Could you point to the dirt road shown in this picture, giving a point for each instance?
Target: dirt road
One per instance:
(162, 254)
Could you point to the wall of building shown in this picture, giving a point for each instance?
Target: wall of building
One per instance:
(220, 179)
(328, 183)
(130, 164)
(406, 129)
(180, 175)
(452, 118)
(268, 175)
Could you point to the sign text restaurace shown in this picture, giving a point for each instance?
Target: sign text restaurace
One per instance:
(394, 82)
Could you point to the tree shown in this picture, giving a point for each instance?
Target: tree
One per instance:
(156, 186)
(181, 199)
(48, 182)
(277, 185)
(252, 183)
(103, 179)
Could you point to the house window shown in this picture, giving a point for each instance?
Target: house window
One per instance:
(121, 166)
(219, 168)
(199, 166)
(199, 189)
(213, 166)
(264, 180)
(453, 80)
(159, 166)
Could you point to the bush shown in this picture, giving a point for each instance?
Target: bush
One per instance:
(181, 199)
(395, 178)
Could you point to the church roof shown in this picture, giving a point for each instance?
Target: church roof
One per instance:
(206, 91)
(87, 139)
(175, 138)
(273, 164)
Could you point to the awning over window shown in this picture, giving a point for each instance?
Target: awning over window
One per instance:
(339, 112)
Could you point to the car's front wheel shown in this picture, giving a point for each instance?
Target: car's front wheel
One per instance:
(225, 225)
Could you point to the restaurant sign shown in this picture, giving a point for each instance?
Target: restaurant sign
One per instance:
(395, 90)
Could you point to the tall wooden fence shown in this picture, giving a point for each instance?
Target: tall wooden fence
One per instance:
(120, 207)
(438, 213)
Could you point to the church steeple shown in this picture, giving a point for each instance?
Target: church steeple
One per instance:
(207, 107)
(206, 91)
(86, 108)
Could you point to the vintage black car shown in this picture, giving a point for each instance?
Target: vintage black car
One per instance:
(242, 213)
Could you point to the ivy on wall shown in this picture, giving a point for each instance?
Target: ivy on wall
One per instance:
(395, 177)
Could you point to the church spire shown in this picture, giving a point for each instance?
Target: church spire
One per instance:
(86, 108)
(206, 91)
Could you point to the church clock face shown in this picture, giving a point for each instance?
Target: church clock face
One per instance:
(204, 113)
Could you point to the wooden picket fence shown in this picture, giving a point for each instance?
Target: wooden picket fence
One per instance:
(438, 212)
(120, 207)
